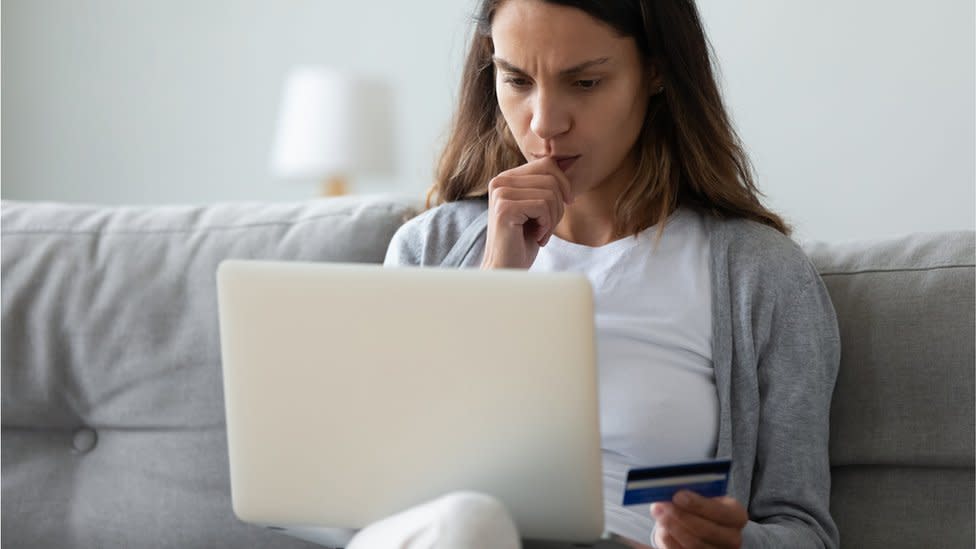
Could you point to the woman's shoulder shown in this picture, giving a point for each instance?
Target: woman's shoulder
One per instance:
(765, 271)
(452, 215)
(427, 238)
(444, 224)
(754, 252)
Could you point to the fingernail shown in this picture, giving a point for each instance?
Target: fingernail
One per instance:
(683, 498)
(657, 510)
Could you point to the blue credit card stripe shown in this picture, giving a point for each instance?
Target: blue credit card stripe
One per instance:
(666, 493)
(673, 481)
(661, 483)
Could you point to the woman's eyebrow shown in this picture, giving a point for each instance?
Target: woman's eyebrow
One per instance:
(507, 66)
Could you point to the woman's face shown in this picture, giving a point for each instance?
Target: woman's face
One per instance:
(569, 87)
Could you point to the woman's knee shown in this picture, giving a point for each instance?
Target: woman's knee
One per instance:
(468, 520)
(473, 519)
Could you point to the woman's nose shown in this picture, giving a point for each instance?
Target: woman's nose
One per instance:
(549, 117)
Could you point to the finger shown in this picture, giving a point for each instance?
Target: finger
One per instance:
(670, 542)
(518, 207)
(546, 165)
(676, 537)
(560, 175)
(725, 511)
(539, 179)
(520, 213)
(550, 196)
(662, 536)
(531, 181)
(662, 539)
(706, 530)
(536, 231)
(686, 537)
(553, 168)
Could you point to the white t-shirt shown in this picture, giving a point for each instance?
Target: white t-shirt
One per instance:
(658, 402)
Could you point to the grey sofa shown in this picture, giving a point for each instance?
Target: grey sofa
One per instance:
(113, 421)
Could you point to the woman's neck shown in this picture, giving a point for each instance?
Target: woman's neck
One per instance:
(590, 219)
(587, 222)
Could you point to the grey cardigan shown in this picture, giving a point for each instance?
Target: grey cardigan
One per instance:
(775, 349)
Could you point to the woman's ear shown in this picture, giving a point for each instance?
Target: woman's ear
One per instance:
(653, 79)
(653, 76)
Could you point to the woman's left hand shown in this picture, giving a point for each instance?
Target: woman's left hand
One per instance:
(692, 521)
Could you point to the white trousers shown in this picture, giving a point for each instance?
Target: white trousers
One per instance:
(457, 520)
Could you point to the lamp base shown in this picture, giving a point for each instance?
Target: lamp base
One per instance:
(335, 185)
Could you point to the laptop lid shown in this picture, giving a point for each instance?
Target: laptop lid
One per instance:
(354, 392)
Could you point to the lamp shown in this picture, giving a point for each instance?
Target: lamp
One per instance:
(332, 125)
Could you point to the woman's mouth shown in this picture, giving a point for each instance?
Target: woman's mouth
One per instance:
(564, 162)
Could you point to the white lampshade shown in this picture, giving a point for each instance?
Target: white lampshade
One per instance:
(332, 123)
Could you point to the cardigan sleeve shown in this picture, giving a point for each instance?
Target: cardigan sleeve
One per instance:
(797, 369)
(406, 248)
(436, 237)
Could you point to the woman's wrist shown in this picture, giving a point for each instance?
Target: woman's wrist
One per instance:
(486, 263)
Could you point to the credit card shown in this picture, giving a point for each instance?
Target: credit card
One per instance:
(661, 483)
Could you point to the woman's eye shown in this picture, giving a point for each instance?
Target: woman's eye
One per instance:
(517, 82)
(587, 84)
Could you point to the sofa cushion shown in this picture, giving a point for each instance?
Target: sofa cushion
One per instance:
(113, 418)
(902, 416)
(893, 507)
(905, 307)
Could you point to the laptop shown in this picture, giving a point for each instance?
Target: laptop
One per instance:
(354, 392)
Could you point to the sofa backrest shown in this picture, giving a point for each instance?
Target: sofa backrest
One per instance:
(113, 418)
(113, 422)
(902, 416)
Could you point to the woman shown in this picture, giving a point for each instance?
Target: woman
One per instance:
(591, 136)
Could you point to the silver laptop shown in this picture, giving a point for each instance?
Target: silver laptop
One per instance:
(354, 392)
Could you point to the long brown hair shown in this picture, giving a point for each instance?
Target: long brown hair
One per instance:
(688, 152)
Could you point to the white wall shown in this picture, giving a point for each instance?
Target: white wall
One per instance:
(147, 101)
(859, 115)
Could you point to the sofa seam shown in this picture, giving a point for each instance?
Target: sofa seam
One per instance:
(898, 270)
(211, 228)
(900, 466)
(17, 427)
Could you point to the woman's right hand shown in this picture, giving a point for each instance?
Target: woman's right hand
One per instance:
(524, 206)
